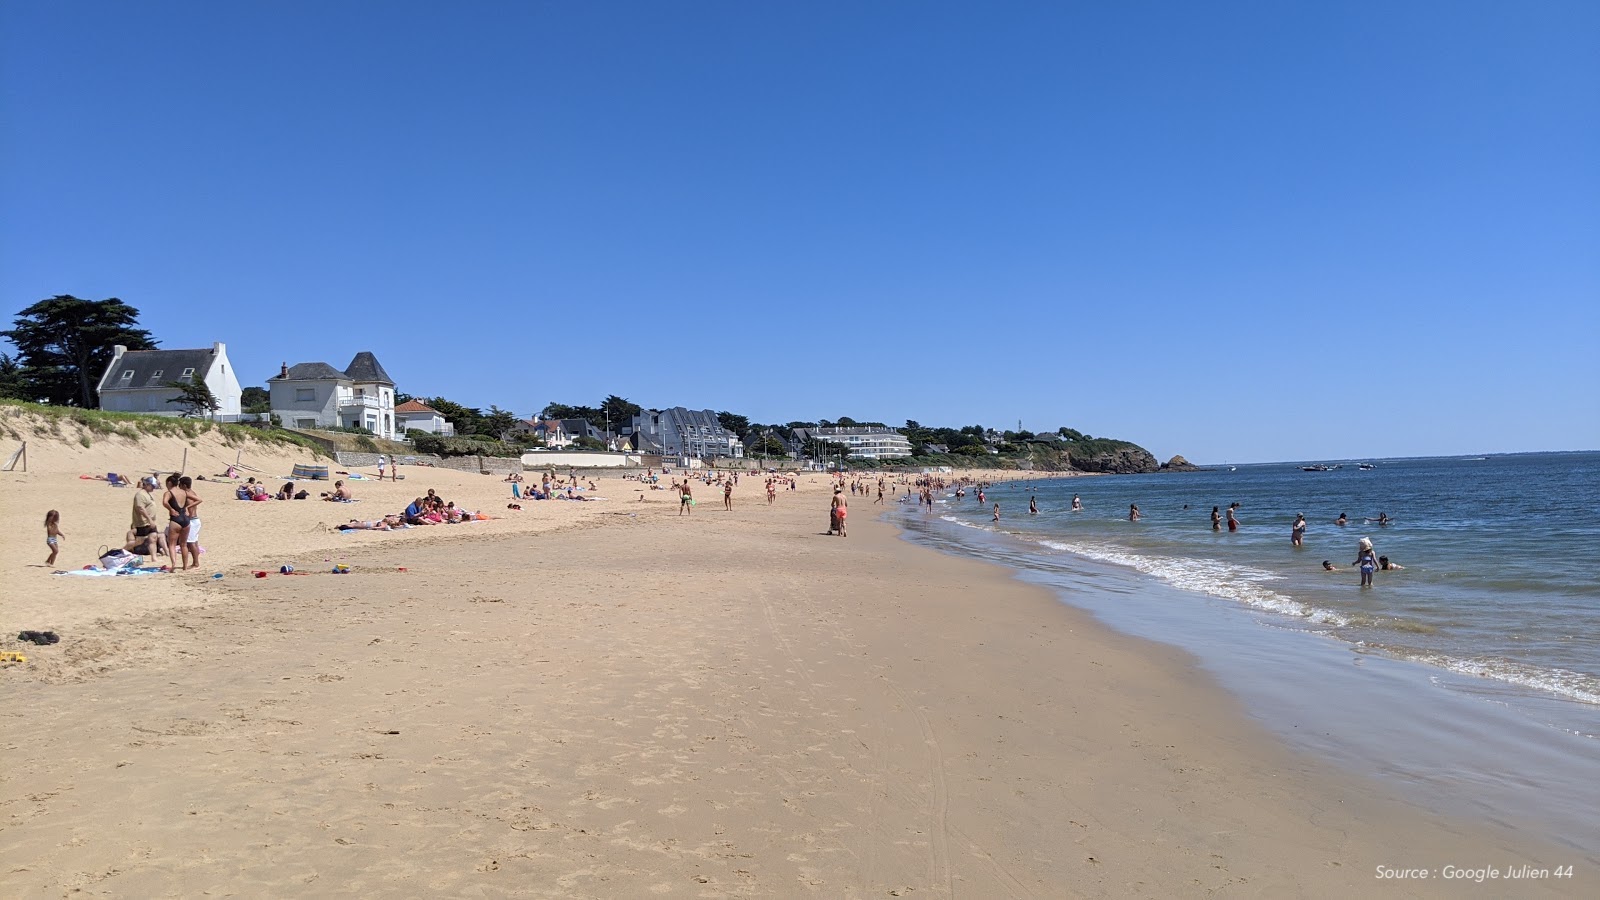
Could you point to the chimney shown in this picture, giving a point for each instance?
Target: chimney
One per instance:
(283, 371)
(217, 347)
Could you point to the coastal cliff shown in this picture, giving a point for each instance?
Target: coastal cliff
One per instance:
(1111, 457)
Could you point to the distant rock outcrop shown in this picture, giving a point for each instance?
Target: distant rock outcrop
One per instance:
(1111, 457)
(1179, 464)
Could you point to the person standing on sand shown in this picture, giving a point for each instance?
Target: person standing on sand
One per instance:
(840, 509)
(53, 535)
(1297, 532)
(175, 501)
(191, 535)
(685, 498)
(382, 465)
(727, 494)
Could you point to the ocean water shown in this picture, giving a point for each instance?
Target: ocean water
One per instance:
(1484, 648)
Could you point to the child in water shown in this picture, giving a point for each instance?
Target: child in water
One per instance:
(1367, 561)
(53, 535)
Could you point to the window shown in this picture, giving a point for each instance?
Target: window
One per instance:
(305, 423)
(156, 374)
(305, 395)
(127, 375)
(188, 373)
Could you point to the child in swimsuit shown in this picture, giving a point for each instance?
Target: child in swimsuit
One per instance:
(53, 535)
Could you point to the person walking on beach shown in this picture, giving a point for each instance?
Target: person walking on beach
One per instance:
(838, 511)
(53, 535)
(1367, 560)
(1297, 532)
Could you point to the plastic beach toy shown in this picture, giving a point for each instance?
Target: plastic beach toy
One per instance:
(286, 570)
(216, 577)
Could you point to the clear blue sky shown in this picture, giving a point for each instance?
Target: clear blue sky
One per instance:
(1237, 231)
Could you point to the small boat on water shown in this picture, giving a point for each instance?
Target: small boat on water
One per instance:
(1316, 468)
(1366, 467)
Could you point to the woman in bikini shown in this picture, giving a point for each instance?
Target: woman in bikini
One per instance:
(176, 502)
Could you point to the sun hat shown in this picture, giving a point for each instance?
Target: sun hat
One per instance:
(1366, 543)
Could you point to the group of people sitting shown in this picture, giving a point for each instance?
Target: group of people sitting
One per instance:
(258, 490)
(434, 510)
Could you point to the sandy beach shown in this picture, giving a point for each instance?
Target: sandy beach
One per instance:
(611, 700)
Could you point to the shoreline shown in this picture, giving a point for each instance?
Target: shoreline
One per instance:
(1395, 721)
(719, 704)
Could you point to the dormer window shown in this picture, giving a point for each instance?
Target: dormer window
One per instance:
(156, 374)
(188, 373)
(127, 375)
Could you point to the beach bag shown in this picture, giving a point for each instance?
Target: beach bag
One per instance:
(118, 558)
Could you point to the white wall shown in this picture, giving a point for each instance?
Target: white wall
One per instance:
(592, 460)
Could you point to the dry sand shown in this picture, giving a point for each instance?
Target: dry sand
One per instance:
(611, 700)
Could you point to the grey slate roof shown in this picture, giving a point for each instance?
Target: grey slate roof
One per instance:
(315, 371)
(146, 363)
(365, 367)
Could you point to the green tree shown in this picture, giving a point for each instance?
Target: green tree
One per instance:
(194, 398)
(497, 424)
(466, 419)
(255, 400)
(765, 446)
(64, 345)
(13, 386)
(734, 422)
(620, 411)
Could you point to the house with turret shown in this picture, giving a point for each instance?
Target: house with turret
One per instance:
(315, 395)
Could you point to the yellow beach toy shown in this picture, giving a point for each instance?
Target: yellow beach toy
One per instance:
(12, 656)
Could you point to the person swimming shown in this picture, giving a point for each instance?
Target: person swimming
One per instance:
(1342, 520)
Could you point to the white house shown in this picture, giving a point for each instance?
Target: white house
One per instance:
(864, 441)
(136, 380)
(414, 415)
(316, 395)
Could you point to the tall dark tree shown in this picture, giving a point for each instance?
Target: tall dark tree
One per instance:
(65, 343)
(619, 410)
(194, 399)
(12, 385)
(734, 422)
(497, 423)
